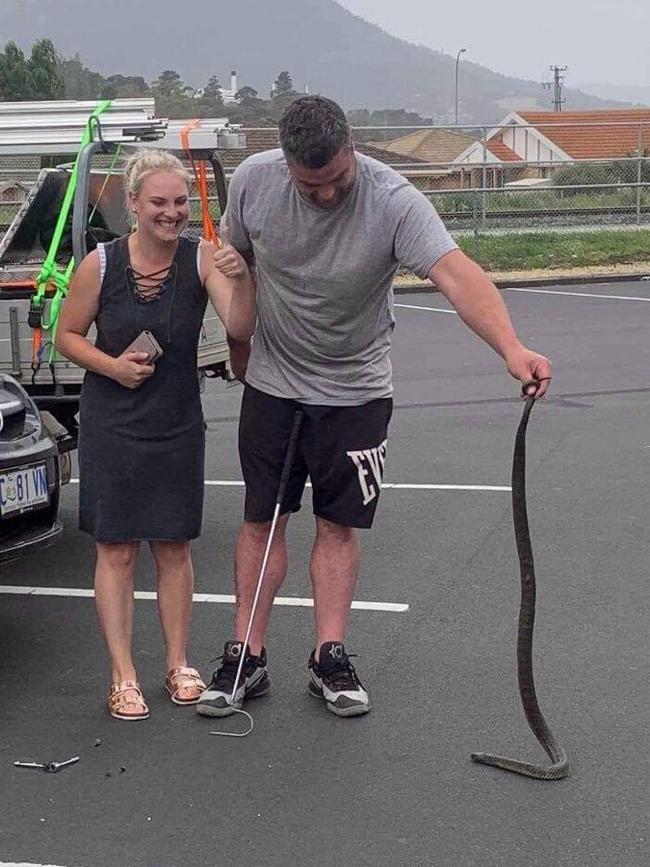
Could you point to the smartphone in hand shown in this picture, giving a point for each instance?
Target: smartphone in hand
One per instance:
(147, 343)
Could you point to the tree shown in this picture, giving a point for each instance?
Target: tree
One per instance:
(246, 93)
(124, 86)
(79, 82)
(212, 90)
(386, 117)
(168, 83)
(173, 97)
(14, 77)
(210, 102)
(39, 77)
(43, 69)
(283, 87)
(283, 93)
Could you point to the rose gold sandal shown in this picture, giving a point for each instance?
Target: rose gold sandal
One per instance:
(126, 695)
(184, 680)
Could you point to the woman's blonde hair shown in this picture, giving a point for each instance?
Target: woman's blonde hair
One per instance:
(146, 161)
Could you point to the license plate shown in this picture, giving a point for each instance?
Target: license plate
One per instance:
(23, 489)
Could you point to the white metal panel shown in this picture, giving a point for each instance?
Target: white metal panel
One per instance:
(58, 126)
(213, 347)
(78, 106)
(207, 132)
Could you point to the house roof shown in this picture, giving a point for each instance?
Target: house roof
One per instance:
(593, 134)
(430, 145)
(258, 140)
(502, 152)
(387, 156)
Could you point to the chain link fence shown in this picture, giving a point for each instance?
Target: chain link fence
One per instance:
(552, 176)
(526, 177)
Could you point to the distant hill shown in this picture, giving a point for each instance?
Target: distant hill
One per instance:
(636, 94)
(323, 45)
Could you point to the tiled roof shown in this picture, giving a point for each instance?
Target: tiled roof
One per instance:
(264, 140)
(431, 145)
(608, 135)
(502, 152)
(386, 156)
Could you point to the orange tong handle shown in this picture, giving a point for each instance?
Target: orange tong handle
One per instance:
(200, 174)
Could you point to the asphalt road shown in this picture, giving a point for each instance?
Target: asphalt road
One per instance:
(397, 786)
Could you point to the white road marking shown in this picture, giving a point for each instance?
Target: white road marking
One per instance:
(576, 294)
(400, 487)
(214, 598)
(226, 483)
(429, 309)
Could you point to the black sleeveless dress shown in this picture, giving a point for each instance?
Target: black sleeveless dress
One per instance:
(142, 451)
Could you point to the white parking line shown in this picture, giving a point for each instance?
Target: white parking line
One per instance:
(227, 483)
(213, 598)
(576, 294)
(398, 487)
(429, 309)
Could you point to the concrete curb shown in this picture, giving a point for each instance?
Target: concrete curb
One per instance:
(560, 280)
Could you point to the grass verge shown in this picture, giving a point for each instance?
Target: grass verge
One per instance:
(557, 250)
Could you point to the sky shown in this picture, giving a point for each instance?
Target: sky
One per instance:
(601, 41)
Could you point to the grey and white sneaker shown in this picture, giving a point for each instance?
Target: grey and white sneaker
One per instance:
(334, 679)
(217, 699)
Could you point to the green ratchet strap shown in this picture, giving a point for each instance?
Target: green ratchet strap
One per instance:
(64, 279)
(50, 272)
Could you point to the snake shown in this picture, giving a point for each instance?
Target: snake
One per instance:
(559, 767)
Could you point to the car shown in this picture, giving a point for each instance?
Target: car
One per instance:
(30, 474)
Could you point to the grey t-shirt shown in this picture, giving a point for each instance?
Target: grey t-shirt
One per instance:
(325, 299)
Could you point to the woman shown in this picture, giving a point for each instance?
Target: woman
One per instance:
(142, 435)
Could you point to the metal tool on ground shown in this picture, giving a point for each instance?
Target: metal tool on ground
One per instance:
(48, 767)
(284, 479)
(560, 765)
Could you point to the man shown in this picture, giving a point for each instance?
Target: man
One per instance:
(326, 229)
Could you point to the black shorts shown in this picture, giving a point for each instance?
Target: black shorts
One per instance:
(341, 448)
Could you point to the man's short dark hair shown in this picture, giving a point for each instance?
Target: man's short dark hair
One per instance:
(313, 129)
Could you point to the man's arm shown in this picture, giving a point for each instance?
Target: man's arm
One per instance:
(480, 305)
(236, 238)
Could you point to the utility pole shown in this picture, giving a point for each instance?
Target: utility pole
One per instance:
(462, 51)
(558, 83)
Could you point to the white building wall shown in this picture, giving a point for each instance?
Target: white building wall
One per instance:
(475, 157)
(526, 143)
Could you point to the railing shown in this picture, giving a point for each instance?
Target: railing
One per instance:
(477, 186)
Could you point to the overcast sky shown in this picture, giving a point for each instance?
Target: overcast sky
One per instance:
(599, 40)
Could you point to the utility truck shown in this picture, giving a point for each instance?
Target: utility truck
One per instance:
(75, 203)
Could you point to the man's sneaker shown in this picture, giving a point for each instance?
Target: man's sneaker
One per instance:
(334, 679)
(254, 680)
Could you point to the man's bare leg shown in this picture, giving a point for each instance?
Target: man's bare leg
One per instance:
(334, 571)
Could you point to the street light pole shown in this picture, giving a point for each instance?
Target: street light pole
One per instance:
(462, 51)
